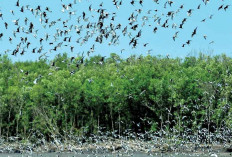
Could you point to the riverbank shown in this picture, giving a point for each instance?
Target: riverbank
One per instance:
(115, 146)
(111, 155)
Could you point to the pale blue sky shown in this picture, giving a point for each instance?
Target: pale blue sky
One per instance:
(217, 29)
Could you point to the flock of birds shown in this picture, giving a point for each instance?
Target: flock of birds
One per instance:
(126, 144)
(93, 26)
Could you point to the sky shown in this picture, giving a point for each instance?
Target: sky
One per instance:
(218, 29)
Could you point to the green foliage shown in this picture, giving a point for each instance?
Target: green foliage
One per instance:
(116, 94)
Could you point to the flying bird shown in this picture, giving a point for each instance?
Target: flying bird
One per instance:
(194, 32)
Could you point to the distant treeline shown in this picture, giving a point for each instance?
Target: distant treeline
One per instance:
(141, 93)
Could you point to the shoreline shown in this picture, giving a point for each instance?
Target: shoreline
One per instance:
(115, 146)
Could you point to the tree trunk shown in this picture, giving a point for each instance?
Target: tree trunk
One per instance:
(119, 124)
(0, 125)
(208, 125)
(8, 126)
(98, 123)
(20, 112)
(111, 116)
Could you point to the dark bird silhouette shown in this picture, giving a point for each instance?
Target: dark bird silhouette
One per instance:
(155, 29)
(17, 3)
(220, 7)
(139, 34)
(211, 42)
(145, 45)
(132, 2)
(1, 35)
(71, 48)
(22, 9)
(102, 59)
(190, 12)
(22, 52)
(41, 40)
(205, 37)
(38, 8)
(188, 42)
(203, 20)
(226, 7)
(33, 50)
(6, 25)
(31, 27)
(170, 3)
(10, 39)
(83, 15)
(28, 44)
(194, 32)
(134, 27)
(182, 6)
(135, 43)
(12, 12)
(211, 16)
(184, 20)
(82, 60)
(53, 64)
(25, 20)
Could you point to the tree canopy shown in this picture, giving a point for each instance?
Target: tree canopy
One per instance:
(143, 93)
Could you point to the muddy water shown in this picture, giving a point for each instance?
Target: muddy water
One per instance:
(109, 155)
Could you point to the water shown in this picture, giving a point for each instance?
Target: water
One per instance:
(109, 155)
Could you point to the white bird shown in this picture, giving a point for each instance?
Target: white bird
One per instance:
(214, 155)
(35, 81)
